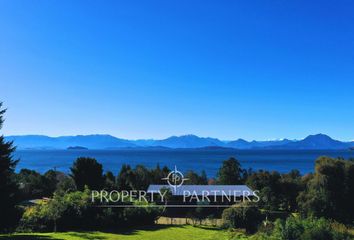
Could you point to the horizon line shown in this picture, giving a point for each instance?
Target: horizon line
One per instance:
(183, 135)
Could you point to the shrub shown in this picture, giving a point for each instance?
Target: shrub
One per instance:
(63, 211)
(244, 216)
(290, 229)
(295, 228)
(142, 215)
(74, 210)
(34, 219)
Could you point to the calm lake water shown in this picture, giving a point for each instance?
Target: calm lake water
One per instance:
(197, 160)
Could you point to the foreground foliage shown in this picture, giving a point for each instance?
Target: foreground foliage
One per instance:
(330, 192)
(297, 228)
(75, 211)
(8, 187)
(243, 216)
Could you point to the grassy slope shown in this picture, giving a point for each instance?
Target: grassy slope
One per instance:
(159, 232)
(152, 233)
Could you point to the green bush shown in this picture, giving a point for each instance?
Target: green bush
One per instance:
(295, 228)
(62, 210)
(34, 219)
(243, 216)
(75, 210)
(145, 214)
(290, 229)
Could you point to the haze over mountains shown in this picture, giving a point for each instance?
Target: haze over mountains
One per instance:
(318, 141)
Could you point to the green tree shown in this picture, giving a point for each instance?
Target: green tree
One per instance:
(8, 186)
(87, 171)
(268, 183)
(64, 211)
(328, 194)
(51, 182)
(195, 179)
(290, 187)
(67, 184)
(203, 178)
(200, 213)
(243, 216)
(55, 209)
(142, 178)
(75, 211)
(110, 181)
(158, 173)
(125, 178)
(32, 184)
(349, 206)
(230, 172)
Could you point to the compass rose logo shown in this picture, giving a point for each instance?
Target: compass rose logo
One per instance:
(175, 179)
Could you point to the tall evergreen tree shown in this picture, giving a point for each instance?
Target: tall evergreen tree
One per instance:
(125, 178)
(110, 181)
(8, 187)
(203, 178)
(230, 172)
(195, 179)
(87, 171)
(142, 178)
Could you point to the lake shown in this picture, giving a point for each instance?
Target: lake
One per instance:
(184, 159)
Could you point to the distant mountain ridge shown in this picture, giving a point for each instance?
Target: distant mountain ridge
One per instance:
(88, 141)
(243, 144)
(318, 141)
(188, 141)
(97, 141)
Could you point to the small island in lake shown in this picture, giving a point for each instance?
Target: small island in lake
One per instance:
(77, 148)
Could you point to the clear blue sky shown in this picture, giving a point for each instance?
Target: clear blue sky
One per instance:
(151, 69)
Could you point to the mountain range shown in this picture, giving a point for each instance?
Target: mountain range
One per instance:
(318, 141)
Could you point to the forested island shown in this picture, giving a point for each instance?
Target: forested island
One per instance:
(77, 148)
